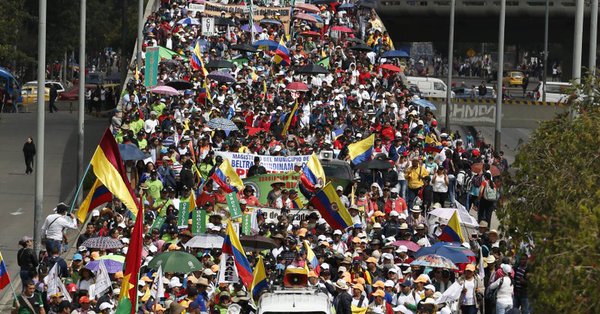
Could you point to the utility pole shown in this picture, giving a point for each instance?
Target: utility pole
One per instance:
(545, 74)
(450, 61)
(578, 41)
(39, 156)
(499, 93)
(593, 36)
(81, 94)
(140, 37)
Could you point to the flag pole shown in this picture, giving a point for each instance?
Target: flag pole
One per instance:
(87, 169)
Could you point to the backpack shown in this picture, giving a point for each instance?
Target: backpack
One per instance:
(490, 193)
(476, 180)
(491, 294)
(461, 179)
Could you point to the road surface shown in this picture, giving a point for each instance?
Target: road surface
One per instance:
(17, 190)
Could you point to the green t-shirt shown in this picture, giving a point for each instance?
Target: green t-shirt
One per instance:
(154, 188)
(159, 108)
(136, 125)
(35, 301)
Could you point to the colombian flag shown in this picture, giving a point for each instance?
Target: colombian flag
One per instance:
(97, 196)
(331, 208)
(226, 177)
(233, 247)
(259, 282)
(452, 231)
(282, 54)
(196, 60)
(110, 170)
(312, 258)
(431, 145)
(133, 261)
(289, 119)
(361, 151)
(312, 174)
(297, 203)
(4, 277)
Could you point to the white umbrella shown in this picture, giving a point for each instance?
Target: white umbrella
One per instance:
(206, 241)
(463, 216)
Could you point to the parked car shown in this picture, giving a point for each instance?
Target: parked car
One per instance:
(467, 92)
(59, 86)
(29, 94)
(555, 91)
(429, 86)
(513, 78)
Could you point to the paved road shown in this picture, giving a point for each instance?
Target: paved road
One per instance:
(17, 189)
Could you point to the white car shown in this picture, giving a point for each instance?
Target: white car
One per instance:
(59, 86)
(555, 91)
(429, 86)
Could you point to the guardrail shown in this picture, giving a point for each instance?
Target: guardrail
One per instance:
(493, 101)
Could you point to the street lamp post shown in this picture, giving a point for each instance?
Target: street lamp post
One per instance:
(593, 36)
(81, 113)
(578, 40)
(450, 61)
(39, 156)
(546, 24)
(499, 93)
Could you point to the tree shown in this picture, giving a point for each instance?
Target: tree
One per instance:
(554, 199)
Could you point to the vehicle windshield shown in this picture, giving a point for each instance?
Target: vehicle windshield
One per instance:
(556, 89)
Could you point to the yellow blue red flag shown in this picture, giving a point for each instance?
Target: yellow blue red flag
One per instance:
(259, 282)
(233, 247)
(331, 208)
(226, 177)
(361, 151)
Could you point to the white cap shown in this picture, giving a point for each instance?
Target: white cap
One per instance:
(392, 270)
(338, 232)
(402, 249)
(430, 287)
(394, 190)
(322, 238)
(376, 225)
(387, 256)
(95, 213)
(339, 188)
(175, 282)
(342, 269)
(208, 272)
(402, 216)
(394, 213)
(105, 306)
(325, 266)
(389, 283)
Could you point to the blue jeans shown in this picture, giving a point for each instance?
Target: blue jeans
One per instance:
(25, 275)
(451, 189)
(410, 197)
(468, 309)
(502, 308)
(522, 303)
(401, 186)
(51, 245)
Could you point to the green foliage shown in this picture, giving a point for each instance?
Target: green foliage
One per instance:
(555, 199)
(13, 17)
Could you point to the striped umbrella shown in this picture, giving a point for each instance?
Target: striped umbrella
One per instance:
(104, 243)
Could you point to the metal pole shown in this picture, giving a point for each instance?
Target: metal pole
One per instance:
(593, 36)
(39, 156)
(251, 22)
(140, 37)
(81, 112)
(578, 40)
(499, 96)
(450, 59)
(545, 74)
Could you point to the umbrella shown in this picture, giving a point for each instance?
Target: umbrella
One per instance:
(189, 21)
(424, 103)
(256, 243)
(371, 4)
(376, 164)
(103, 243)
(221, 21)
(243, 47)
(266, 44)
(395, 54)
(165, 90)
(180, 84)
(345, 6)
(270, 21)
(312, 69)
(221, 77)
(306, 17)
(310, 33)
(307, 7)
(222, 124)
(246, 28)
(464, 217)
(131, 152)
(441, 249)
(434, 261)
(111, 266)
(391, 67)
(317, 17)
(343, 29)
(361, 47)
(409, 245)
(117, 258)
(175, 262)
(355, 40)
(297, 87)
(170, 62)
(206, 241)
(219, 64)
(478, 167)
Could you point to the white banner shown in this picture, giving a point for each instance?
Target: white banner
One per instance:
(208, 26)
(102, 280)
(298, 214)
(227, 270)
(55, 285)
(158, 288)
(195, 7)
(274, 164)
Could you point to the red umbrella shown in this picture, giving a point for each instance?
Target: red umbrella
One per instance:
(342, 29)
(310, 33)
(306, 17)
(297, 87)
(307, 7)
(478, 167)
(391, 67)
(411, 246)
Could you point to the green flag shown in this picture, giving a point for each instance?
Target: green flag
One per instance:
(198, 222)
(234, 205)
(246, 224)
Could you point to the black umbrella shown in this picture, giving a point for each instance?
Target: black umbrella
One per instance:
(355, 40)
(180, 85)
(221, 21)
(361, 47)
(170, 62)
(243, 47)
(376, 164)
(371, 4)
(257, 243)
(219, 64)
(312, 69)
(270, 21)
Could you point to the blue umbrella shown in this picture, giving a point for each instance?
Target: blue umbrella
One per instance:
(246, 28)
(395, 54)
(346, 6)
(453, 253)
(111, 266)
(221, 77)
(131, 152)
(222, 124)
(266, 44)
(424, 103)
(270, 21)
(316, 16)
(188, 21)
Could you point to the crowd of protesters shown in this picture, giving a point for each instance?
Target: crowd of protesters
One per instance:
(431, 169)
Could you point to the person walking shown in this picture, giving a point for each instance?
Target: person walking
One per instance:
(525, 84)
(52, 100)
(30, 301)
(54, 226)
(27, 260)
(488, 195)
(29, 152)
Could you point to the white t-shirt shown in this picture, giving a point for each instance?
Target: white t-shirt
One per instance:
(470, 286)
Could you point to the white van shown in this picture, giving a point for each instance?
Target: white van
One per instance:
(555, 91)
(429, 86)
(292, 301)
